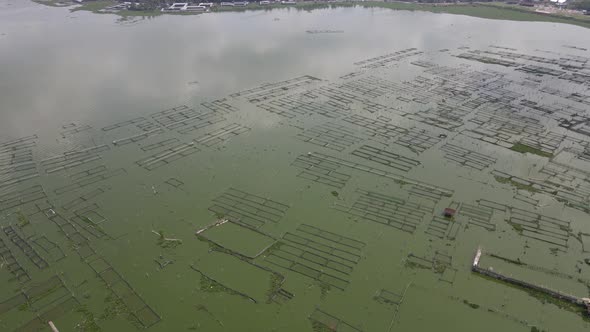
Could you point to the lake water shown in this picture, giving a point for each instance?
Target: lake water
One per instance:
(316, 152)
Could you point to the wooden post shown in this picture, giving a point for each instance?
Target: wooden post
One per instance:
(53, 328)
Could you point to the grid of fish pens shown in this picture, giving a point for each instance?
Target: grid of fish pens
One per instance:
(273, 90)
(443, 228)
(201, 121)
(89, 221)
(176, 117)
(503, 128)
(70, 231)
(548, 142)
(466, 157)
(321, 168)
(567, 184)
(418, 140)
(331, 136)
(316, 168)
(73, 129)
(386, 59)
(83, 198)
(137, 307)
(73, 158)
(442, 116)
(386, 158)
(579, 97)
(539, 227)
(371, 86)
(160, 144)
(25, 247)
(337, 96)
(87, 177)
(318, 254)
(387, 297)
(126, 123)
(582, 151)
(168, 156)
(526, 197)
(12, 264)
(477, 215)
(486, 59)
(243, 207)
(440, 264)
(559, 112)
(430, 192)
(56, 311)
(16, 161)
(51, 249)
(38, 296)
(220, 105)
(221, 135)
(387, 210)
(138, 137)
(376, 128)
(10, 201)
(303, 104)
(580, 124)
(329, 322)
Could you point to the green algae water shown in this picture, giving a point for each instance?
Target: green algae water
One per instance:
(288, 170)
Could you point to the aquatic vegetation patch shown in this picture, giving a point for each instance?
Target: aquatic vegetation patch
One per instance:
(165, 242)
(522, 148)
(323, 321)
(89, 322)
(22, 219)
(518, 185)
(471, 305)
(324, 290)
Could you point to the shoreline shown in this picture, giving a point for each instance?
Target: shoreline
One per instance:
(487, 10)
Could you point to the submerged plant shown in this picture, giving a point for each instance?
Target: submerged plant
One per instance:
(324, 289)
(22, 219)
(276, 281)
(472, 305)
(517, 227)
(89, 322)
(439, 268)
(522, 148)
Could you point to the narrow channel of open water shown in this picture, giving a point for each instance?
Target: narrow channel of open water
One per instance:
(81, 89)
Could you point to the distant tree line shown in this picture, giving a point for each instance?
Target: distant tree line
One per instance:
(157, 4)
(452, 1)
(148, 4)
(580, 4)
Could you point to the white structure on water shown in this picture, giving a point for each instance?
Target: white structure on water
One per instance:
(184, 6)
(194, 8)
(178, 6)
